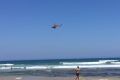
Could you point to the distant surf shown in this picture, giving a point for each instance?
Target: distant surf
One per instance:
(62, 66)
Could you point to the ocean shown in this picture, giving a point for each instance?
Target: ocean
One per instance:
(62, 67)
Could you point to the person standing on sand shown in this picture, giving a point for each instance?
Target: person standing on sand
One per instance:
(77, 73)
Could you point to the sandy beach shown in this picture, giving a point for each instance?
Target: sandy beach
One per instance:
(56, 78)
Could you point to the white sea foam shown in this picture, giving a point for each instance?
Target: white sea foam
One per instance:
(64, 65)
(115, 62)
(18, 67)
(6, 64)
(88, 66)
(85, 63)
(71, 67)
(18, 78)
(59, 67)
(5, 68)
(92, 63)
(108, 60)
(36, 67)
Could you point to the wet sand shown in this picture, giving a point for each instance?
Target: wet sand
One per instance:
(56, 78)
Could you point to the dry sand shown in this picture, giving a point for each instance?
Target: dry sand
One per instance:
(55, 78)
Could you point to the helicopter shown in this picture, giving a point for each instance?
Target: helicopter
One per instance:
(56, 26)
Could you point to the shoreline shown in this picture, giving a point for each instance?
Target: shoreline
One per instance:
(58, 78)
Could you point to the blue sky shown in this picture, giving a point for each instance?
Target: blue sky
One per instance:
(91, 28)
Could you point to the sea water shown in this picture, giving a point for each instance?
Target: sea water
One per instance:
(62, 67)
